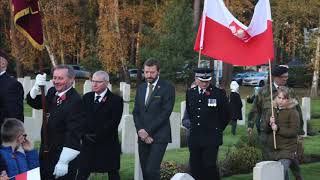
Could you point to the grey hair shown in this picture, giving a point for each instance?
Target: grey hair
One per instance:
(10, 129)
(71, 73)
(104, 74)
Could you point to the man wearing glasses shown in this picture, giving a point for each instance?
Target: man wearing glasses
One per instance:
(100, 150)
(207, 107)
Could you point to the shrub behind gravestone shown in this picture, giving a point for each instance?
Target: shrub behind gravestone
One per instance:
(169, 169)
(252, 141)
(240, 160)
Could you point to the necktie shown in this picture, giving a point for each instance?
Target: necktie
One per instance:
(201, 91)
(97, 99)
(150, 86)
(58, 100)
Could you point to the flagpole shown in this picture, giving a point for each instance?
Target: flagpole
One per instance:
(203, 24)
(272, 110)
(199, 59)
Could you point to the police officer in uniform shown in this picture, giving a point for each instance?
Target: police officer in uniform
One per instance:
(208, 110)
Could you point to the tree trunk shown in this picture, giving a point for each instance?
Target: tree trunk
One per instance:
(314, 87)
(226, 75)
(14, 44)
(138, 60)
(132, 56)
(196, 13)
(117, 29)
(51, 55)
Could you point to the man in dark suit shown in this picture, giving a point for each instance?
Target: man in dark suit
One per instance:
(11, 93)
(100, 151)
(154, 102)
(207, 107)
(64, 124)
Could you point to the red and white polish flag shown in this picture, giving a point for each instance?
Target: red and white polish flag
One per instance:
(33, 174)
(223, 37)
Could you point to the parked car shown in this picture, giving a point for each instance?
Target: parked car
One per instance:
(80, 72)
(240, 76)
(133, 73)
(257, 79)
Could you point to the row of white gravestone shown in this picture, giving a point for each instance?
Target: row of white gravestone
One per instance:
(265, 170)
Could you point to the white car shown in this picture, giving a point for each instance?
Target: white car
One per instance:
(258, 79)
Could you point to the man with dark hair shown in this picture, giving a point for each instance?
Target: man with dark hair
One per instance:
(262, 104)
(208, 109)
(65, 114)
(100, 150)
(11, 93)
(153, 106)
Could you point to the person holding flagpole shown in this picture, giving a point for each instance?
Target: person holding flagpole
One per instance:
(65, 112)
(262, 105)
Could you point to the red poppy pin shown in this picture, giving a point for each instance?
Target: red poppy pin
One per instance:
(207, 93)
(104, 99)
(61, 99)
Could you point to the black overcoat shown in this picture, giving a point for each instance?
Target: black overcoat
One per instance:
(11, 98)
(207, 122)
(235, 106)
(65, 127)
(102, 152)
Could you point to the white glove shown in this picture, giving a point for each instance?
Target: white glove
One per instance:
(40, 81)
(66, 156)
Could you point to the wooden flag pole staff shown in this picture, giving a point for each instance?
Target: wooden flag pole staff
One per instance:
(272, 111)
(199, 59)
(44, 108)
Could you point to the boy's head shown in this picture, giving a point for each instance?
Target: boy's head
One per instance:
(12, 130)
(283, 96)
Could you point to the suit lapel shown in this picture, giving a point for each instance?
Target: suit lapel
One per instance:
(143, 91)
(103, 101)
(155, 91)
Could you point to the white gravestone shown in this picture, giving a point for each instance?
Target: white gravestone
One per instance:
(124, 112)
(137, 167)
(121, 85)
(128, 133)
(33, 125)
(182, 176)
(175, 130)
(306, 113)
(87, 87)
(243, 111)
(306, 103)
(110, 86)
(268, 170)
(26, 85)
(126, 92)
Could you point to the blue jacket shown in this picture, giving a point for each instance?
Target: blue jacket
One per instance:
(18, 162)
